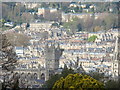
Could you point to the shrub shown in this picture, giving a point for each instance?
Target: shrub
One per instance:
(92, 38)
(77, 81)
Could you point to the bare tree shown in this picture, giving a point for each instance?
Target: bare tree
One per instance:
(17, 39)
(8, 62)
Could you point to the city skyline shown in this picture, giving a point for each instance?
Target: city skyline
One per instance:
(45, 38)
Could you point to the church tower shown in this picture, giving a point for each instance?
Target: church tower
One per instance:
(116, 59)
(52, 55)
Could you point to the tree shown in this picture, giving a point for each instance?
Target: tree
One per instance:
(27, 17)
(110, 21)
(96, 75)
(92, 38)
(112, 84)
(44, 5)
(78, 82)
(97, 28)
(8, 61)
(55, 25)
(16, 13)
(54, 78)
(41, 17)
(51, 81)
(2, 21)
(35, 16)
(64, 6)
(88, 23)
(17, 39)
(66, 71)
(72, 26)
(79, 26)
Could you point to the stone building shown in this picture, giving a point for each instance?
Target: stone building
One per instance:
(118, 55)
(52, 56)
(40, 27)
(116, 59)
(38, 71)
(44, 12)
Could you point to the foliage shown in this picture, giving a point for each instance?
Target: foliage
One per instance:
(18, 39)
(87, 23)
(55, 5)
(26, 17)
(97, 28)
(96, 75)
(92, 38)
(8, 61)
(66, 71)
(77, 81)
(55, 24)
(54, 16)
(91, 24)
(54, 78)
(16, 13)
(44, 5)
(104, 7)
(51, 81)
(19, 14)
(64, 7)
(74, 25)
(99, 7)
(7, 49)
(111, 21)
(2, 20)
(112, 84)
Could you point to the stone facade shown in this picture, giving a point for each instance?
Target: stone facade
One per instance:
(119, 56)
(52, 56)
(116, 61)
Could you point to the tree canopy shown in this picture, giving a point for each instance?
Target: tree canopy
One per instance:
(92, 38)
(92, 24)
(54, 78)
(8, 62)
(77, 81)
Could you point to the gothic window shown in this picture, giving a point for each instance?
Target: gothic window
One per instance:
(35, 75)
(22, 74)
(43, 76)
(29, 75)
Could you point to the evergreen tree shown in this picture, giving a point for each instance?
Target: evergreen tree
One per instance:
(54, 78)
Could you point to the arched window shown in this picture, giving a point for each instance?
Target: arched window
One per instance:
(35, 76)
(43, 76)
(29, 75)
(22, 74)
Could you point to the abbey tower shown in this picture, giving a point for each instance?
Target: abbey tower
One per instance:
(116, 59)
(52, 56)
